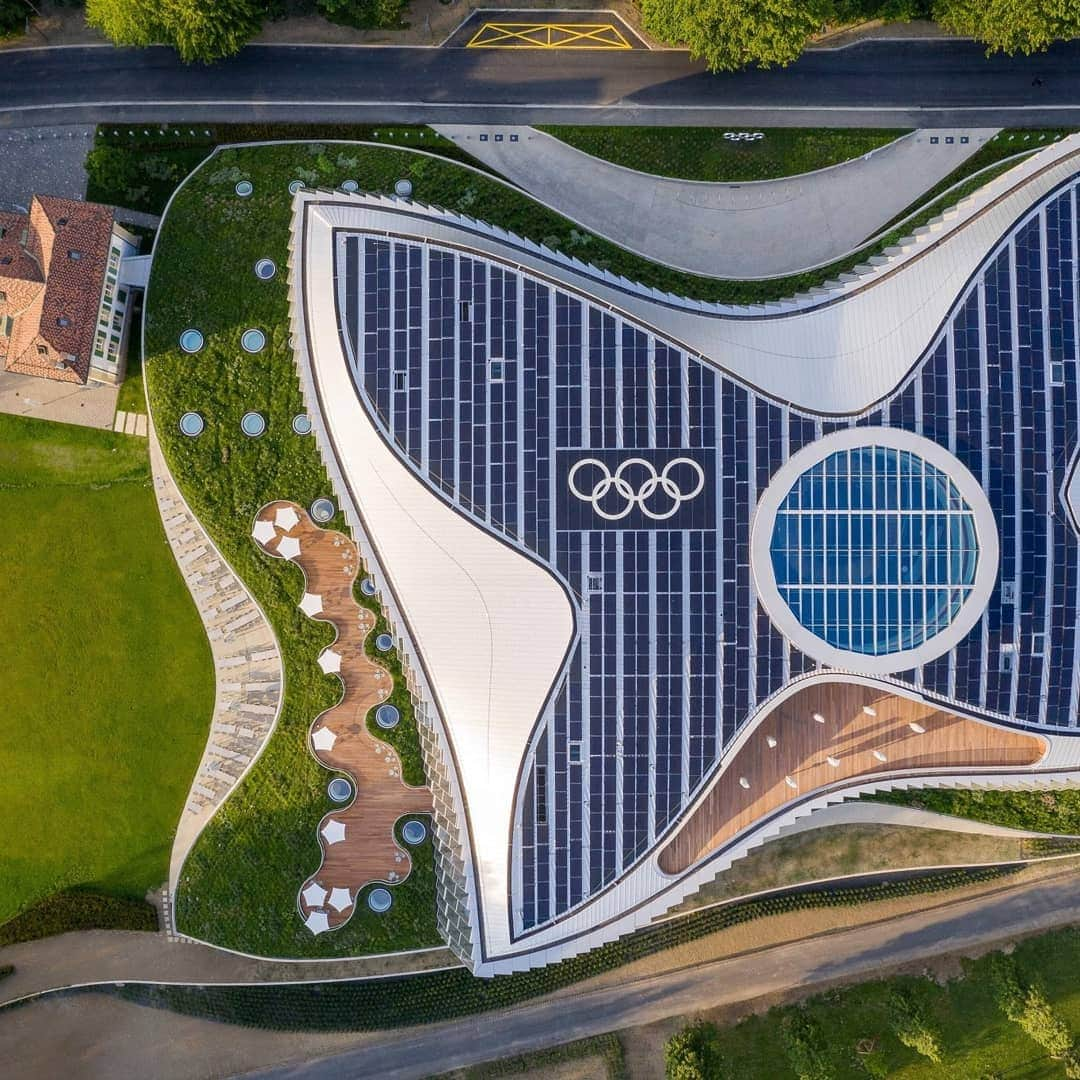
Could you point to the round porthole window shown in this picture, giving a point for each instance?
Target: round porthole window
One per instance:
(253, 341)
(191, 341)
(387, 717)
(414, 832)
(192, 424)
(379, 900)
(253, 424)
(875, 551)
(322, 510)
(339, 789)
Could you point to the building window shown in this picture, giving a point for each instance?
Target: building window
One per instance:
(121, 296)
(62, 221)
(63, 321)
(6, 325)
(5, 261)
(43, 350)
(3, 296)
(401, 380)
(497, 371)
(74, 256)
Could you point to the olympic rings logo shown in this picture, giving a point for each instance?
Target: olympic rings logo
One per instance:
(636, 483)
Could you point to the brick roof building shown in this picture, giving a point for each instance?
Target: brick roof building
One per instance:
(58, 274)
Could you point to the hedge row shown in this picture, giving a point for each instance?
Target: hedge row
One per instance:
(78, 909)
(373, 1004)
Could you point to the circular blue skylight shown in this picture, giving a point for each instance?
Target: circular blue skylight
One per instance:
(322, 510)
(253, 340)
(339, 789)
(368, 587)
(379, 900)
(387, 716)
(874, 549)
(253, 424)
(414, 832)
(265, 269)
(301, 424)
(244, 188)
(191, 341)
(192, 424)
(384, 643)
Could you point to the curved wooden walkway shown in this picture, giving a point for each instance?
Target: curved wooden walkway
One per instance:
(357, 840)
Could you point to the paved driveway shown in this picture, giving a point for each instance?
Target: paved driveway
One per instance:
(43, 161)
(750, 230)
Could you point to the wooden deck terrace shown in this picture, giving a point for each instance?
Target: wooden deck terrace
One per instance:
(368, 851)
(831, 732)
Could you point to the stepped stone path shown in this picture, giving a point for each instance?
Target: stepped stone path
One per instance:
(247, 664)
(358, 842)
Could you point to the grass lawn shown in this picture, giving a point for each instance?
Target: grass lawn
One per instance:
(1040, 811)
(702, 153)
(855, 1040)
(107, 683)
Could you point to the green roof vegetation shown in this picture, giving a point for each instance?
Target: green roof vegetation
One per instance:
(107, 684)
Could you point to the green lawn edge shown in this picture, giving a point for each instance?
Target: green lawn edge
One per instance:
(703, 154)
(108, 682)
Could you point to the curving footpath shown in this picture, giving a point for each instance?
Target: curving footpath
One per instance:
(358, 844)
(247, 664)
(761, 229)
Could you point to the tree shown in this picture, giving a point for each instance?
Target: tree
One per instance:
(911, 1027)
(805, 1047)
(200, 30)
(730, 34)
(1029, 1009)
(1011, 25)
(691, 1054)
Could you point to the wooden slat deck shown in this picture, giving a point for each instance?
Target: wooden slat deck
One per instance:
(849, 735)
(369, 852)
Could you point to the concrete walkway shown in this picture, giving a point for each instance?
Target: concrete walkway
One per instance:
(246, 662)
(92, 405)
(751, 230)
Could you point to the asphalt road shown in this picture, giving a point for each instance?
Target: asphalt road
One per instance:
(921, 83)
(847, 955)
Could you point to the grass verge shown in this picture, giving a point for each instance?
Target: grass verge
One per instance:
(374, 1004)
(1035, 811)
(78, 909)
(107, 682)
(702, 153)
(855, 1032)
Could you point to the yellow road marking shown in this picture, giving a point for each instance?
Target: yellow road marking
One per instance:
(548, 36)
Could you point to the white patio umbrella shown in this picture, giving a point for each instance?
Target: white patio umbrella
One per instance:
(330, 661)
(334, 831)
(264, 531)
(340, 899)
(311, 604)
(286, 518)
(317, 922)
(323, 739)
(314, 895)
(288, 547)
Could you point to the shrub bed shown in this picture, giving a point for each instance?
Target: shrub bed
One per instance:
(78, 909)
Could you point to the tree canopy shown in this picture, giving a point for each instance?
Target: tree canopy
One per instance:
(1011, 25)
(200, 30)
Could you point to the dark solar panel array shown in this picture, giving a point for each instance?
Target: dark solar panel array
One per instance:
(481, 375)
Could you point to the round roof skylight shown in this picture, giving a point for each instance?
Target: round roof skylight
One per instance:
(322, 510)
(414, 832)
(384, 643)
(301, 424)
(253, 424)
(192, 424)
(244, 188)
(387, 716)
(339, 789)
(191, 340)
(874, 550)
(253, 340)
(379, 900)
(265, 269)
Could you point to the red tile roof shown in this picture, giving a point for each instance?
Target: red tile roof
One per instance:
(64, 244)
